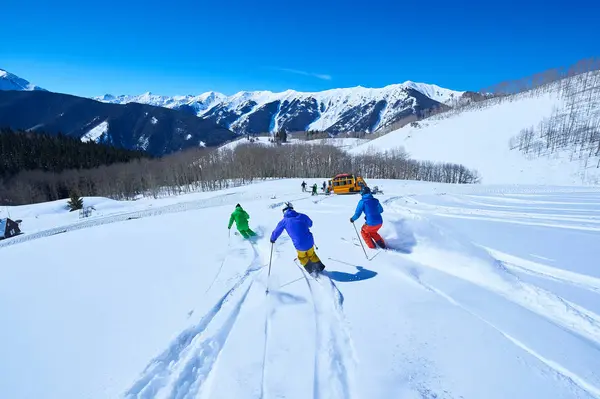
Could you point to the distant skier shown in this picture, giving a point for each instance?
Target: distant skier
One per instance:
(314, 189)
(303, 186)
(298, 225)
(373, 220)
(324, 187)
(240, 216)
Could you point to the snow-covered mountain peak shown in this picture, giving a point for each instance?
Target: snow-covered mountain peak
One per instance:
(211, 96)
(106, 98)
(9, 81)
(341, 109)
(434, 92)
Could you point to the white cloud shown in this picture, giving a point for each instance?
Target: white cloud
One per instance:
(298, 72)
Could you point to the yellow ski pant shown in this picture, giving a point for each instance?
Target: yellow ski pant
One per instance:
(305, 256)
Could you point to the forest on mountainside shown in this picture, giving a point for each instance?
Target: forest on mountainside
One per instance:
(27, 151)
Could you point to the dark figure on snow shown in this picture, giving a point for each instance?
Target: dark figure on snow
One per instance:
(373, 220)
(303, 186)
(240, 217)
(298, 225)
(314, 189)
(324, 186)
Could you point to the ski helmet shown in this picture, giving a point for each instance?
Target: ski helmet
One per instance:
(365, 190)
(288, 205)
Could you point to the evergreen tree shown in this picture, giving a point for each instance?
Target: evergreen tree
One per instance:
(76, 202)
(23, 151)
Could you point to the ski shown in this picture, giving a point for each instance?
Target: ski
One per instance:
(353, 242)
(314, 273)
(357, 244)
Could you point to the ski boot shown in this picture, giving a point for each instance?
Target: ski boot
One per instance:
(314, 268)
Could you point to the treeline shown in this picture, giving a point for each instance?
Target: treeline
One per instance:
(308, 135)
(574, 128)
(543, 78)
(206, 170)
(559, 80)
(22, 151)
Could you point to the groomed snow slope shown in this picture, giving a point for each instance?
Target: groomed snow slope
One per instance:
(156, 302)
(480, 139)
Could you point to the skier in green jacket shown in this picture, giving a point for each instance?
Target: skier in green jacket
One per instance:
(240, 216)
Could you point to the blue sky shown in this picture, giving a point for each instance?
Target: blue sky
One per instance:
(189, 47)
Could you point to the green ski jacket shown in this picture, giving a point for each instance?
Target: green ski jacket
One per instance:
(240, 217)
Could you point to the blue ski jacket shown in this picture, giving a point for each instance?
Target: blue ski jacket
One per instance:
(297, 225)
(372, 209)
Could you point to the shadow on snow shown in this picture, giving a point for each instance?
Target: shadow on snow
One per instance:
(361, 274)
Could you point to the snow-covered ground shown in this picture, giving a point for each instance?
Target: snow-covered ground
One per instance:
(345, 143)
(487, 292)
(481, 138)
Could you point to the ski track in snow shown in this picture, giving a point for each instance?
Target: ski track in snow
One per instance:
(492, 274)
(556, 309)
(200, 362)
(187, 363)
(560, 371)
(335, 359)
(553, 273)
(560, 311)
(269, 311)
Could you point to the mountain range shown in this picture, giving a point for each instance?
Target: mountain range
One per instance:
(334, 111)
(163, 124)
(156, 130)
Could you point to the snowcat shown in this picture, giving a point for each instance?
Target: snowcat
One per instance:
(346, 183)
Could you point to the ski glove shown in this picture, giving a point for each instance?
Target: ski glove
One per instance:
(351, 220)
(272, 242)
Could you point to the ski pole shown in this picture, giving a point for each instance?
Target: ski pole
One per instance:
(359, 240)
(269, 274)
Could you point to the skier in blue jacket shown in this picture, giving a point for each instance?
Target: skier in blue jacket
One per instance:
(373, 220)
(298, 225)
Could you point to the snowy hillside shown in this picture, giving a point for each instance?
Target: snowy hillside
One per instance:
(157, 130)
(488, 136)
(9, 81)
(337, 110)
(153, 299)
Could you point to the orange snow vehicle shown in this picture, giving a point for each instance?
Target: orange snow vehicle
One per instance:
(346, 183)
